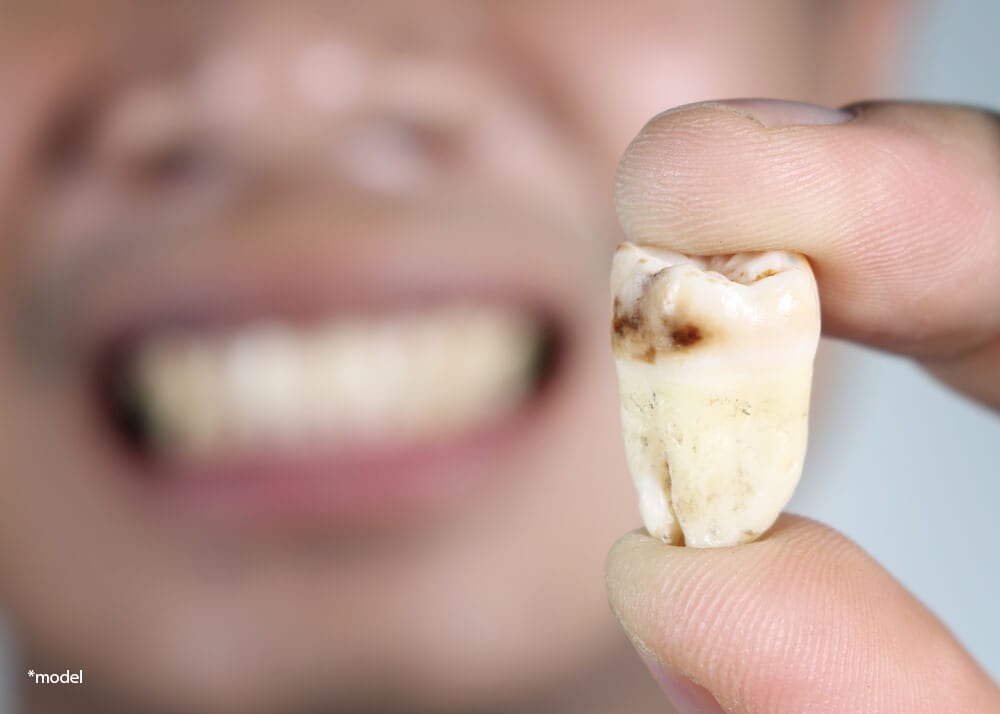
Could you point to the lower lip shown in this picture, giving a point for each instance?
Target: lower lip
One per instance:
(385, 487)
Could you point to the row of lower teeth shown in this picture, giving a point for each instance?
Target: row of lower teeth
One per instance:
(405, 377)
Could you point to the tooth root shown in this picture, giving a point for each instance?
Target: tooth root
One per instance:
(714, 359)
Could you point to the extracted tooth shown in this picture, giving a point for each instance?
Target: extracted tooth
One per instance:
(714, 359)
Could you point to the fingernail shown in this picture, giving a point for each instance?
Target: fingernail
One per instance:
(774, 113)
(686, 696)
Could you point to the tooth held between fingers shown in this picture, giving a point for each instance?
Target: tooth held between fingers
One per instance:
(714, 359)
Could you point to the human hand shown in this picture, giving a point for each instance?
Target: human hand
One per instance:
(898, 208)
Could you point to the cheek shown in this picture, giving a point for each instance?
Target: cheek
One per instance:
(621, 71)
(633, 85)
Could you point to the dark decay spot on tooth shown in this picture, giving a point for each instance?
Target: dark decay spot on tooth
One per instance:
(635, 337)
(686, 335)
(625, 323)
(641, 337)
(766, 274)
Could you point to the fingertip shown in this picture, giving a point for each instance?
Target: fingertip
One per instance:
(799, 620)
(671, 148)
(893, 207)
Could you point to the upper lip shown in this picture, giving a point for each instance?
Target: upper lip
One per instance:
(339, 264)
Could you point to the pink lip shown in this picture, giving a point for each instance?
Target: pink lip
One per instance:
(351, 489)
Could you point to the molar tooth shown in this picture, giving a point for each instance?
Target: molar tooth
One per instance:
(714, 359)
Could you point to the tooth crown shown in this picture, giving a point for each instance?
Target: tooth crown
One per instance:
(714, 359)
(416, 376)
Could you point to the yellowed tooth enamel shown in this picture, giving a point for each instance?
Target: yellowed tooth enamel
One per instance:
(420, 374)
(714, 359)
(176, 375)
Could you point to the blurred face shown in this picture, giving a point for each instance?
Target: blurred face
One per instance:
(306, 388)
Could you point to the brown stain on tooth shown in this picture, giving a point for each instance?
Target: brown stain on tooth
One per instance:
(633, 336)
(686, 335)
(766, 274)
(625, 324)
(642, 337)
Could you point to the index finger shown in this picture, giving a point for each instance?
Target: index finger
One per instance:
(897, 206)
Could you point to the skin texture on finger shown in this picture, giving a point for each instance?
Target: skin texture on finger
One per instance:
(800, 621)
(898, 208)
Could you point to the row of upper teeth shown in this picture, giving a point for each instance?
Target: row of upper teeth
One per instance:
(413, 376)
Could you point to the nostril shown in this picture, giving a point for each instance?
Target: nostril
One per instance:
(164, 165)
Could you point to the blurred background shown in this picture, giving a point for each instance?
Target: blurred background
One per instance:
(907, 469)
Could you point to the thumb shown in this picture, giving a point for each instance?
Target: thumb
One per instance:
(800, 621)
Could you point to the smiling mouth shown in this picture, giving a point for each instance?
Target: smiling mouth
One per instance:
(355, 418)
(237, 367)
(420, 375)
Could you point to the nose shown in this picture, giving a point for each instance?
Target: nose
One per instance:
(380, 106)
(418, 123)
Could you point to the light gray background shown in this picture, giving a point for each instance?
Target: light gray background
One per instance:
(907, 469)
